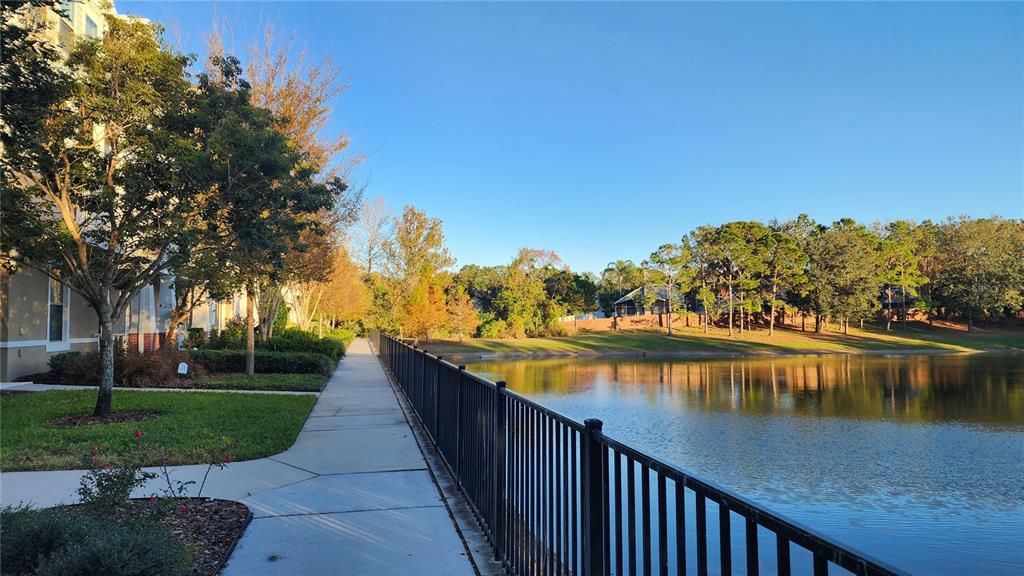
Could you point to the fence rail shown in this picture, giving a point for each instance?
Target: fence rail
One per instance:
(555, 496)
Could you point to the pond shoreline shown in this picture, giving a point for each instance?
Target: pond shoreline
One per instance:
(702, 354)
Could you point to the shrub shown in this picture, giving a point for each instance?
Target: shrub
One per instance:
(232, 337)
(157, 369)
(295, 340)
(52, 542)
(494, 328)
(345, 335)
(266, 362)
(57, 362)
(195, 338)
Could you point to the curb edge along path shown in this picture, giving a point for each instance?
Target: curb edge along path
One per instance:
(353, 495)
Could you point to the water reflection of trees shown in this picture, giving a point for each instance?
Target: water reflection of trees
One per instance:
(976, 388)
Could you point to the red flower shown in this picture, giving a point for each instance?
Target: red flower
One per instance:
(228, 460)
(183, 509)
(138, 433)
(106, 466)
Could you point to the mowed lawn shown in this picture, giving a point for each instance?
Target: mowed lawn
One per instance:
(190, 426)
(788, 340)
(277, 382)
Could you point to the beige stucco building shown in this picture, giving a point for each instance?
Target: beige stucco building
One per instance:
(39, 316)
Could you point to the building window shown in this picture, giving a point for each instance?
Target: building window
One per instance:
(65, 36)
(57, 300)
(91, 29)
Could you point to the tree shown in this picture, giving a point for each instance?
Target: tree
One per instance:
(618, 278)
(416, 263)
(300, 97)
(901, 267)
(806, 233)
(265, 201)
(926, 250)
(372, 232)
(93, 164)
(345, 297)
(785, 266)
(573, 293)
(462, 315)
(844, 271)
(737, 253)
(706, 270)
(199, 277)
(481, 283)
(522, 305)
(672, 261)
(982, 272)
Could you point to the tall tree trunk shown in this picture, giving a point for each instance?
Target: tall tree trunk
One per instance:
(743, 310)
(250, 332)
(771, 318)
(888, 316)
(730, 309)
(669, 306)
(903, 319)
(970, 322)
(105, 396)
(817, 323)
(803, 322)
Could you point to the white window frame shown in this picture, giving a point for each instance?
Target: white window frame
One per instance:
(95, 28)
(64, 343)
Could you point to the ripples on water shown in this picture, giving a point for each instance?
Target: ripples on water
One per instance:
(917, 460)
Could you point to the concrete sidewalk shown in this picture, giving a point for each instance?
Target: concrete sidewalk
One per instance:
(353, 495)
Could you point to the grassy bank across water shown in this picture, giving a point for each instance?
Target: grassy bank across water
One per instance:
(187, 429)
(695, 342)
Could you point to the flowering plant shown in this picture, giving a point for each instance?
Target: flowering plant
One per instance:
(107, 486)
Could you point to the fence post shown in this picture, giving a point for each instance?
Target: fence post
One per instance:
(500, 433)
(458, 423)
(435, 400)
(594, 490)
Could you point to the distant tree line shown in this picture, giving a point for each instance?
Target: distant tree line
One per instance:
(734, 276)
(746, 272)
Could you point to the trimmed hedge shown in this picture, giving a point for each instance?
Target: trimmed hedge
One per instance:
(266, 362)
(295, 340)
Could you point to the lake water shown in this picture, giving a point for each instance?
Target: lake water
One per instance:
(916, 460)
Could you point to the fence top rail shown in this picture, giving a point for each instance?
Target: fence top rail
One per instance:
(843, 555)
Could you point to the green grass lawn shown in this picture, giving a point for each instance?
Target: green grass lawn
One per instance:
(693, 339)
(295, 382)
(190, 426)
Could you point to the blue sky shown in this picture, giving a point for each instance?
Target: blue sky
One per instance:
(602, 130)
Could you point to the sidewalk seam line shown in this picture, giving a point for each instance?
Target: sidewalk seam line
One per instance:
(424, 507)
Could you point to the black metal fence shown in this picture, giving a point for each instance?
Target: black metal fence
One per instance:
(555, 496)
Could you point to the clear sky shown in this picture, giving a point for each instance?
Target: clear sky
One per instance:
(602, 130)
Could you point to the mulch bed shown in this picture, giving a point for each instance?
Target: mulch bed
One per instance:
(211, 528)
(112, 418)
(208, 527)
